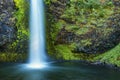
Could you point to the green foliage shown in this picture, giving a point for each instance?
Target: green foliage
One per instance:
(110, 57)
(48, 2)
(64, 52)
(80, 17)
(86, 42)
(12, 57)
(87, 13)
(20, 44)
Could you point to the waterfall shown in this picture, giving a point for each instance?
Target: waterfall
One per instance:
(37, 35)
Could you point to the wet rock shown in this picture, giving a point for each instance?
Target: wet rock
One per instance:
(94, 41)
(7, 9)
(97, 40)
(6, 34)
(116, 3)
(97, 63)
(7, 22)
(65, 37)
(101, 40)
(57, 8)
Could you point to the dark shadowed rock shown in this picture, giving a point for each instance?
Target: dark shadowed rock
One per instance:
(116, 3)
(7, 21)
(65, 37)
(6, 34)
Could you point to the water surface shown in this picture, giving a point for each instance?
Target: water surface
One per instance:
(58, 71)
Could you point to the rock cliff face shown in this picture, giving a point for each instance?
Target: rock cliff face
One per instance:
(97, 39)
(57, 8)
(7, 21)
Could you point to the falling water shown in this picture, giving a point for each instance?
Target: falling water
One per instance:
(37, 42)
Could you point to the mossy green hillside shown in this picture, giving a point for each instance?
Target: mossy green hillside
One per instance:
(110, 57)
(80, 17)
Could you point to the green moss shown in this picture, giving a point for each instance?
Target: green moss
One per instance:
(22, 31)
(110, 57)
(64, 52)
(12, 57)
(85, 14)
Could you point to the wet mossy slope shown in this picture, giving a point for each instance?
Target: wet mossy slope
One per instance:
(83, 30)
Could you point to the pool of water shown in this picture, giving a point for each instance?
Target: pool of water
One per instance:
(58, 71)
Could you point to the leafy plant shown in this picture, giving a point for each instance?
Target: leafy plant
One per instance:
(20, 44)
